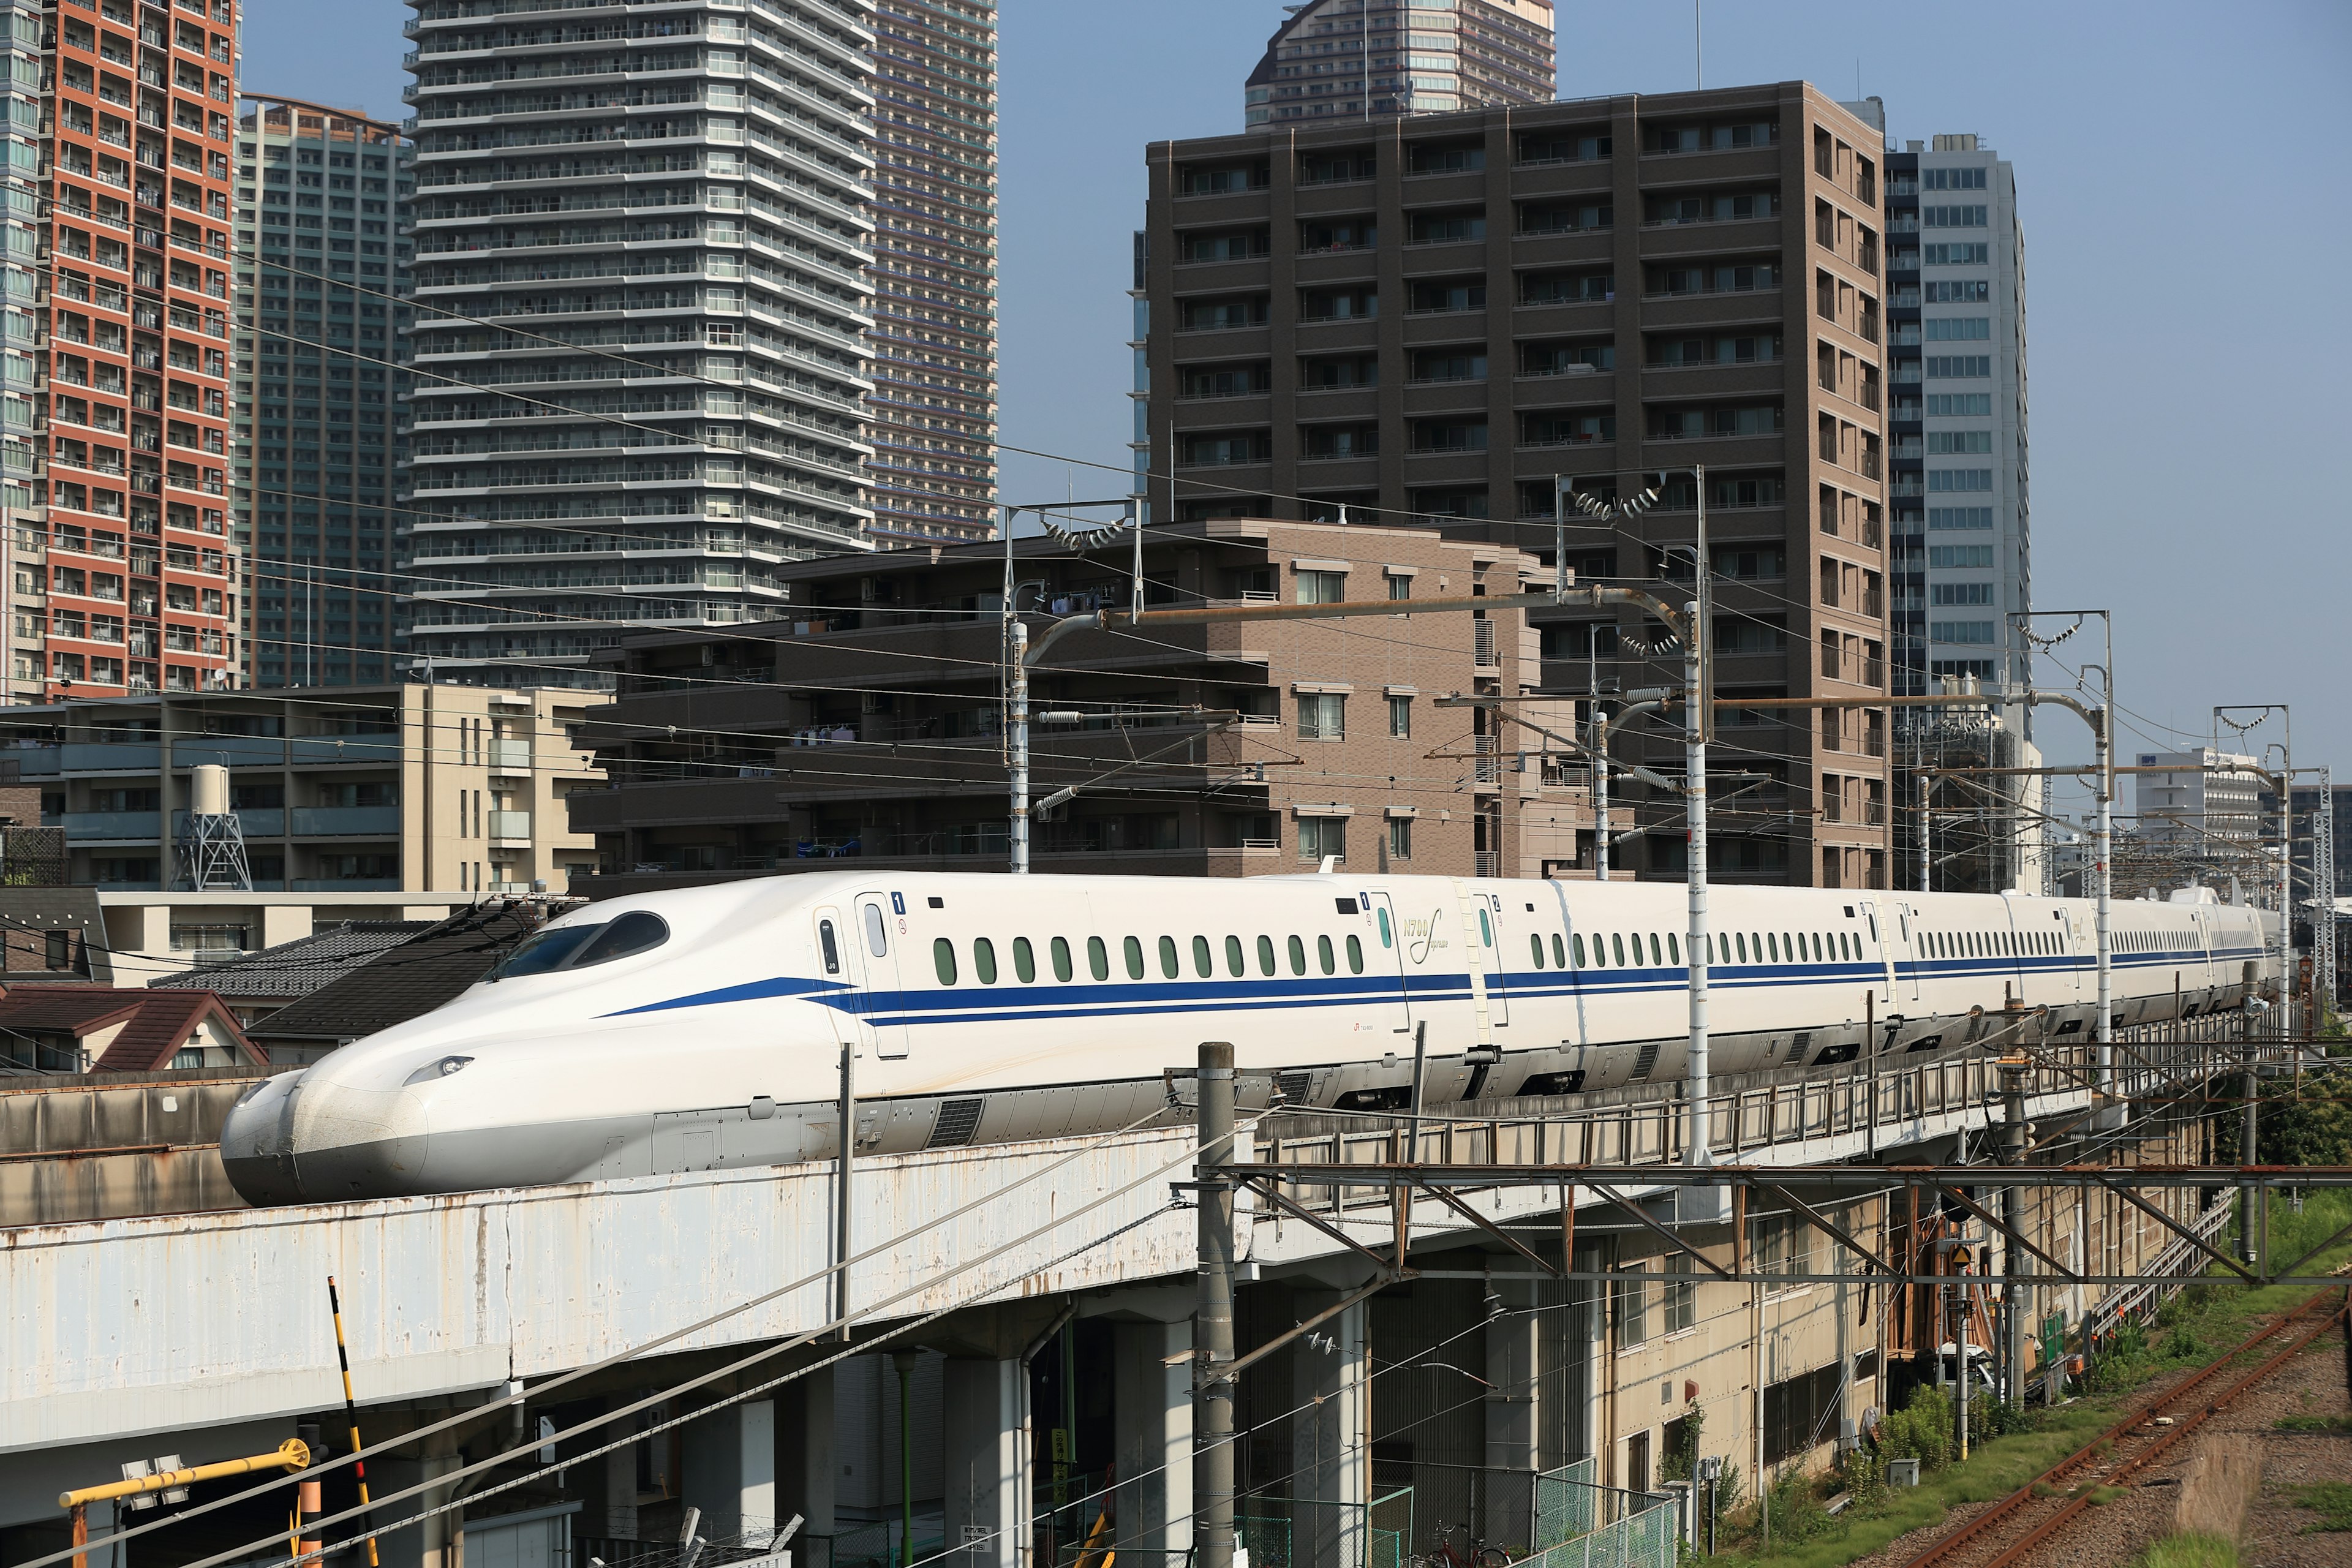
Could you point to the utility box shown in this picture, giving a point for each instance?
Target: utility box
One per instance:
(1902, 1472)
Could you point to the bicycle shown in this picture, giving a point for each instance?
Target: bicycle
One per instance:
(1475, 1553)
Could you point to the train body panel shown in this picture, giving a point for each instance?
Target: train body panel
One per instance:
(703, 1027)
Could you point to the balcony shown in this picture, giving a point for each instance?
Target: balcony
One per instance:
(347, 821)
(100, 756)
(510, 827)
(511, 757)
(81, 826)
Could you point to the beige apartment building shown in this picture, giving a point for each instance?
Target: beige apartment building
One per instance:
(1431, 321)
(456, 791)
(870, 726)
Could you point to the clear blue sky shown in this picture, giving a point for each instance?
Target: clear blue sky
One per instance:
(2181, 178)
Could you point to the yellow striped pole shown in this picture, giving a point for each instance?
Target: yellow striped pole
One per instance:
(351, 1407)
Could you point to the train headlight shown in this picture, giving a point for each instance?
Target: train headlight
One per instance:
(432, 1070)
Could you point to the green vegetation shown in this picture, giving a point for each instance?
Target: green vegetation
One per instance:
(2009, 1448)
(2313, 1422)
(2332, 1501)
(2192, 1551)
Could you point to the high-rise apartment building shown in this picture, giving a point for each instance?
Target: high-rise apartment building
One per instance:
(1438, 317)
(24, 283)
(1962, 535)
(128, 578)
(932, 415)
(656, 223)
(317, 392)
(1368, 57)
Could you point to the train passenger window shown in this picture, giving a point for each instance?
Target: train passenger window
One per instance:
(983, 960)
(1655, 957)
(1617, 948)
(1740, 941)
(1576, 945)
(1061, 950)
(1266, 955)
(1323, 956)
(1383, 915)
(832, 949)
(1772, 941)
(1486, 930)
(943, 960)
(1203, 960)
(1535, 945)
(1168, 967)
(1024, 960)
(1131, 949)
(1789, 949)
(1356, 954)
(877, 940)
(1098, 958)
(638, 932)
(1297, 956)
(1674, 948)
(1233, 965)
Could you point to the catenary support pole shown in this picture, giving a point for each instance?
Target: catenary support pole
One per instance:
(841, 1253)
(2104, 852)
(1212, 1323)
(1018, 658)
(1697, 716)
(1600, 791)
(2015, 1296)
(1927, 816)
(2250, 1238)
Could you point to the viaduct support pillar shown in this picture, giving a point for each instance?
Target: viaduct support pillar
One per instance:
(1330, 1437)
(986, 1474)
(1152, 1410)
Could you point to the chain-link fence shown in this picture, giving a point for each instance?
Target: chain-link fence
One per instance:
(1580, 1524)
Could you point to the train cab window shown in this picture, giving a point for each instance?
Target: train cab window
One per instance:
(1297, 956)
(1098, 958)
(1266, 955)
(877, 940)
(983, 960)
(1486, 930)
(1024, 960)
(1382, 916)
(1559, 953)
(828, 946)
(1061, 951)
(634, 932)
(1132, 951)
(1535, 945)
(1203, 964)
(1168, 967)
(1233, 965)
(943, 960)
(1356, 954)
(1323, 956)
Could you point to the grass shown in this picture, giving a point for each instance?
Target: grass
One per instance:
(2191, 1331)
(2313, 1424)
(2192, 1551)
(2331, 1501)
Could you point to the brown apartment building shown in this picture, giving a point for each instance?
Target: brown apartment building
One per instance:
(129, 584)
(869, 727)
(1425, 321)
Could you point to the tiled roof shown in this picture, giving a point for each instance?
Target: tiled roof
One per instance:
(296, 968)
(155, 1024)
(404, 982)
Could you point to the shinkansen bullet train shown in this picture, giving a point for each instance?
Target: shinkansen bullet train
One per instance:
(703, 1028)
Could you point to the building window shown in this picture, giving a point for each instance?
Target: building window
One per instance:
(1401, 838)
(1322, 836)
(1322, 587)
(1322, 715)
(1632, 1307)
(1401, 716)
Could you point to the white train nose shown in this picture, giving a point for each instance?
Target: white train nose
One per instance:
(257, 1143)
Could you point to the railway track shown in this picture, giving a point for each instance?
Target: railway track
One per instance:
(2010, 1530)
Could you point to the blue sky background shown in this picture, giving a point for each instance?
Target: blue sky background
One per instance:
(2181, 174)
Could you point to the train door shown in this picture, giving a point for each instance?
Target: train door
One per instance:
(1488, 1005)
(1496, 952)
(1905, 958)
(1389, 956)
(2071, 937)
(837, 966)
(1883, 941)
(881, 927)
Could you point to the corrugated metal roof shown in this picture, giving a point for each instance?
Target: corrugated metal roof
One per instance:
(295, 969)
